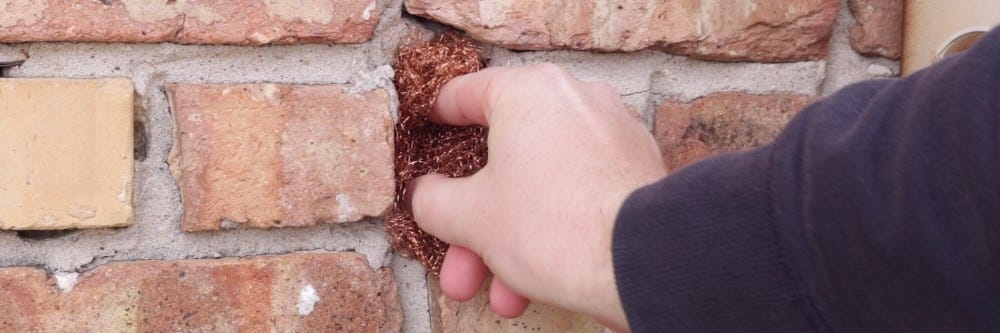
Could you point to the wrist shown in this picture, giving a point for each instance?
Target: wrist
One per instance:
(610, 310)
(604, 303)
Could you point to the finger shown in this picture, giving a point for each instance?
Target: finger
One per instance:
(504, 301)
(462, 273)
(463, 100)
(469, 99)
(440, 205)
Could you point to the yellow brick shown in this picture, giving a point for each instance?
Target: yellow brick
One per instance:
(66, 151)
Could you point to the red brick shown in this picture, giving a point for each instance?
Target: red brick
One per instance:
(743, 30)
(266, 155)
(449, 316)
(242, 22)
(879, 27)
(260, 294)
(688, 132)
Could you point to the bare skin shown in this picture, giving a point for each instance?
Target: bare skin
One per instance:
(564, 155)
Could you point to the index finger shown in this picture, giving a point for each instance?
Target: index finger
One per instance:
(465, 99)
(470, 99)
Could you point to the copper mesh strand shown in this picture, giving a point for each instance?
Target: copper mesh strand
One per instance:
(423, 147)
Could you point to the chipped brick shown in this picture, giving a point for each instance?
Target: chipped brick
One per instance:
(879, 27)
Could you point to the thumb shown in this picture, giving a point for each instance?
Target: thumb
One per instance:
(442, 206)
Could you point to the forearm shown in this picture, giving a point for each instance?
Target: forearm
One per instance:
(876, 209)
(698, 252)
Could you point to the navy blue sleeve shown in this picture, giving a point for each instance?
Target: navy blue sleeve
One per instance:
(876, 210)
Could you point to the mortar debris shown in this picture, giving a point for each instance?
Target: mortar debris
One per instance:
(423, 147)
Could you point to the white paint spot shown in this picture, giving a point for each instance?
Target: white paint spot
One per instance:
(49, 220)
(346, 208)
(879, 70)
(123, 194)
(261, 38)
(227, 224)
(81, 212)
(271, 93)
(749, 8)
(307, 300)
(66, 280)
(367, 14)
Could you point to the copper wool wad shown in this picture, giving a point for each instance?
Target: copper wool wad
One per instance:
(423, 147)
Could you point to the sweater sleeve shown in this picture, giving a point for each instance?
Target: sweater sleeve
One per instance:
(876, 209)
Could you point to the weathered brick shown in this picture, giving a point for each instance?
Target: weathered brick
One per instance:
(879, 27)
(66, 149)
(304, 292)
(450, 316)
(246, 22)
(269, 155)
(688, 132)
(769, 30)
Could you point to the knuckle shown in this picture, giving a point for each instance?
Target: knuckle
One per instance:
(605, 87)
(548, 72)
(553, 72)
(527, 80)
(549, 69)
(548, 77)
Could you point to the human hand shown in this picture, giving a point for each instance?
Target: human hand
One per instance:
(563, 156)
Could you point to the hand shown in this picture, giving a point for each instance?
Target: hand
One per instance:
(563, 156)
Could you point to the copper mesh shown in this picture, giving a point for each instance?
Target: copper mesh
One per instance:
(423, 147)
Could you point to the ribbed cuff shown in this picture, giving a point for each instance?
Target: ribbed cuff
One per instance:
(697, 251)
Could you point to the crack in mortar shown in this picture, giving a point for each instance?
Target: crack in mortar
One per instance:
(102, 260)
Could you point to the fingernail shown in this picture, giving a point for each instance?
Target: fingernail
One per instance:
(408, 194)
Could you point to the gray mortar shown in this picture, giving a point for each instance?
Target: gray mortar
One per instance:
(411, 279)
(845, 66)
(644, 79)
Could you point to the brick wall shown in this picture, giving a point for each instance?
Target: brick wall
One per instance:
(222, 166)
